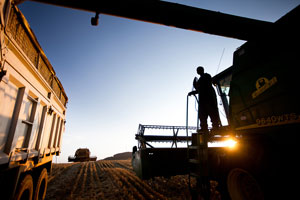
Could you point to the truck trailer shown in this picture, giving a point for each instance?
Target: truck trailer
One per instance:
(32, 109)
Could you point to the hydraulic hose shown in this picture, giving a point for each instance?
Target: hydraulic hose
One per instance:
(187, 133)
(187, 115)
(187, 120)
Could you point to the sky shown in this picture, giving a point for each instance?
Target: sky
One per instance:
(123, 73)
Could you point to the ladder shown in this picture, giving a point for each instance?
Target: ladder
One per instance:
(198, 165)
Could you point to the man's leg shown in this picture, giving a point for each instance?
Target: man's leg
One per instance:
(214, 116)
(203, 115)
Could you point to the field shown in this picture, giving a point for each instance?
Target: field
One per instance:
(111, 179)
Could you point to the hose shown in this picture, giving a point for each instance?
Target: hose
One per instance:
(187, 116)
(187, 120)
(187, 134)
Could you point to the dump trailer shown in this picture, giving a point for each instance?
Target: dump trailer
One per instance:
(32, 110)
(82, 155)
(259, 92)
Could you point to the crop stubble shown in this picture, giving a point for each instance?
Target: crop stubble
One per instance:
(111, 180)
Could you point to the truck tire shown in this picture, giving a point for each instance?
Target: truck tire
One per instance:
(41, 186)
(242, 185)
(25, 189)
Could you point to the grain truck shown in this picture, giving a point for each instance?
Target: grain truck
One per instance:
(32, 109)
(259, 94)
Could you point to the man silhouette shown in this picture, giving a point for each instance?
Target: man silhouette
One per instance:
(207, 105)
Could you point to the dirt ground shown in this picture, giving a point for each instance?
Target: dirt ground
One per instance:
(108, 179)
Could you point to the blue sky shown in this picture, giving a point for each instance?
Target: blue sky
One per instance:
(123, 73)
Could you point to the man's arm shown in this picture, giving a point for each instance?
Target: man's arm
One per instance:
(196, 86)
(194, 92)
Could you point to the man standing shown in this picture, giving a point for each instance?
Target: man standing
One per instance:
(207, 105)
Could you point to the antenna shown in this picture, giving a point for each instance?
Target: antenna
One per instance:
(220, 60)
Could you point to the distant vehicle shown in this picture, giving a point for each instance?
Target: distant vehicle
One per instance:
(82, 155)
(32, 109)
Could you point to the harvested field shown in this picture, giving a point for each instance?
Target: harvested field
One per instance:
(107, 179)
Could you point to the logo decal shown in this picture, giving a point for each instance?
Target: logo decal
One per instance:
(262, 84)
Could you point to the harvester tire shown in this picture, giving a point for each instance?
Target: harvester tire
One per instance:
(242, 185)
(25, 188)
(41, 186)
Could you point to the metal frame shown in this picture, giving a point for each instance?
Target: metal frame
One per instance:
(143, 140)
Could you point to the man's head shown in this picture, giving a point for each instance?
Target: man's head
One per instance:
(200, 70)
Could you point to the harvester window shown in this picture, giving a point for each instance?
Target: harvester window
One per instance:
(222, 82)
(225, 86)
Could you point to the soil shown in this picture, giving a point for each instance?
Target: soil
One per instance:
(111, 179)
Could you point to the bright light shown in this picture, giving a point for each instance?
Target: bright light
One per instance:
(230, 143)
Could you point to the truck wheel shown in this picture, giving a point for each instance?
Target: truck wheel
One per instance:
(41, 186)
(242, 185)
(25, 189)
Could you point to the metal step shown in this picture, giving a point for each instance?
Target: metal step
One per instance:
(194, 161)
(193, 147)
(194, 175)
(199, 146)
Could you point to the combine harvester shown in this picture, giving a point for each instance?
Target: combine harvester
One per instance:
(32, 110)
(82, 155)
(263, 110)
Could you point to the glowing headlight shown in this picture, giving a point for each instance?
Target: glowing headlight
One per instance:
(230, 143)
